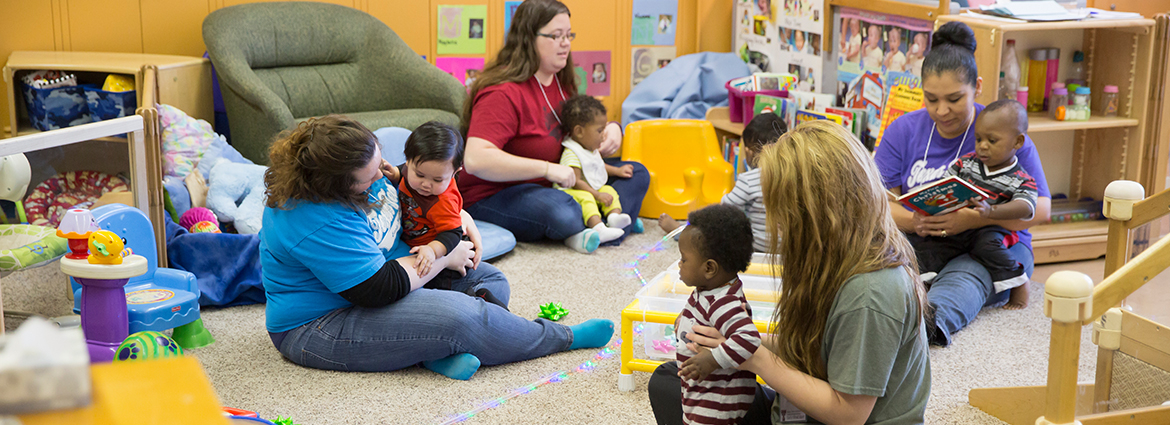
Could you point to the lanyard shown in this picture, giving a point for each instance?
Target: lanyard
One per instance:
(546, 102)
(931, 138)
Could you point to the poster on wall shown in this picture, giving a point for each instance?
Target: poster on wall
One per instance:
(878, 51)
(593, 68)
(654, 22)
(781, 36)
(509, 10)
(461, 29)
(463, 69)
(646, 60)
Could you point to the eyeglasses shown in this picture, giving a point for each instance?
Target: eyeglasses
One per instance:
(559, 38)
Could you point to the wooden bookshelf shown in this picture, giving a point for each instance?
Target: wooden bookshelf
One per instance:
(1117, 52)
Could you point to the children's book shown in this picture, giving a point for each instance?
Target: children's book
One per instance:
(847, 117)
(900, 101)
(806, 115)
(942, 196)
(785, 108)
(764, 81)
(812, 101)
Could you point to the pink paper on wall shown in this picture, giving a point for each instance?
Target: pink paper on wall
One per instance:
(462, 69)
(595, 68)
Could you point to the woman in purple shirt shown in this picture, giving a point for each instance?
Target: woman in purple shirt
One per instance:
(917, 148)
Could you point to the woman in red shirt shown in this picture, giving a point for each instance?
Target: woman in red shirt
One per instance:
(514, 136)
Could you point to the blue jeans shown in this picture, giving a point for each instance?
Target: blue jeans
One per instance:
(962, 288)
(428, 324)
(533, 212)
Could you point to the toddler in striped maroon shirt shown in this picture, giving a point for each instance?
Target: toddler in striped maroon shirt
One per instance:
(715, 246)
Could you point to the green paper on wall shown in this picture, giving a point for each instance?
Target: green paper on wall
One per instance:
(461, 29)
(643, 31)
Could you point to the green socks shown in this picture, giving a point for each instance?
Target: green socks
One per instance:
(457, 366)
(593, 333)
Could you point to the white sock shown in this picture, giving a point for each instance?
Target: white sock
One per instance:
(618, 220)
(584, 241)
(608, 233)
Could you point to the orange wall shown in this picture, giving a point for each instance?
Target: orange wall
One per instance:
(175, 27)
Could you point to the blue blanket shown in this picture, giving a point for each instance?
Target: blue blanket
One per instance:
(685, 88)
(227, 266)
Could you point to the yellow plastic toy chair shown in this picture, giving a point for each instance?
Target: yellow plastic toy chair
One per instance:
(687, 171)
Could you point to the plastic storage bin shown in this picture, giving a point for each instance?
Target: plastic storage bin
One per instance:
(666, 293)
(107, 105)
(741, 104)
(55, 108)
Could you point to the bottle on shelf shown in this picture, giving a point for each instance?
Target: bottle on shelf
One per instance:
(1022, 95)
(1053, 67)
(1079, 111)
(1077, 73)
(1058, 102)
(1037, 75)
(1009, 71)
(1109, 101)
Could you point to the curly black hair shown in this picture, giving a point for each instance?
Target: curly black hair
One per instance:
(724, 234)
(762, 130)
(579, 110)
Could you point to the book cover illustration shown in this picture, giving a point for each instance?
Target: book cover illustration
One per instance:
(941, 197)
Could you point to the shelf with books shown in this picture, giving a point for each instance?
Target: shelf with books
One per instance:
(1040, 122)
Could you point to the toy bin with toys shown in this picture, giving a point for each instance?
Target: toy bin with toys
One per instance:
(658, 303)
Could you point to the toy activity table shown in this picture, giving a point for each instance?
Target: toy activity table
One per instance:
(658, 304)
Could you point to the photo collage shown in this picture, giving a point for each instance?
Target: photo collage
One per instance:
(782, 36)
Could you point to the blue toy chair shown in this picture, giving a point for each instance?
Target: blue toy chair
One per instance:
(161, 298)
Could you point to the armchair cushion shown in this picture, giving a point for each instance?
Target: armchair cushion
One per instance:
(279, 61)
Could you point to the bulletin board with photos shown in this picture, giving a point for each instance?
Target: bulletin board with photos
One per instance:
(782, 36)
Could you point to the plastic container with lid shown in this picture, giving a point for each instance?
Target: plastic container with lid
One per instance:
(1022, 95)
(1058, 102)
(1050, 78)
(1079, 111)
(1109, 101)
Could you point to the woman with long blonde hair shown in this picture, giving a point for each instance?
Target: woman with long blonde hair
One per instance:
(848, 343)
(513, 120)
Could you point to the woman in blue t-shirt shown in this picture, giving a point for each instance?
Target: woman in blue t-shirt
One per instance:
(917, 148)
(341, 286)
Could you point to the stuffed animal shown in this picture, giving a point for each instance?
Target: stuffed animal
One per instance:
(235, 193)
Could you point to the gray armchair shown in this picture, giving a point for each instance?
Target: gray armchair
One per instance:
(282, 63)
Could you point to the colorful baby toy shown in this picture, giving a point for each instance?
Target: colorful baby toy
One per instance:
(197, 215)
(553, 311)
(204, 227)
(147, 345)
(106, 247)
(76, 226)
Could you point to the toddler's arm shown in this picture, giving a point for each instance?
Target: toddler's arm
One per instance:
(741, 194)
(391, 172)
(742, 340)
(625, 171)
(1013, 210)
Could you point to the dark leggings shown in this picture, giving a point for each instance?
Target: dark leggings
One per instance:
(665, 391)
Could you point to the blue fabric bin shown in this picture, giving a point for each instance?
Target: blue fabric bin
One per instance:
(56, 108)
(107, 105)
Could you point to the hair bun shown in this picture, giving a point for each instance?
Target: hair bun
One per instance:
(954, 33)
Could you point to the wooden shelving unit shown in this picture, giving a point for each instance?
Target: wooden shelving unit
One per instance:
(1117, 52)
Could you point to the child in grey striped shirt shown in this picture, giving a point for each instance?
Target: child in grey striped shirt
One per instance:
(747, 194)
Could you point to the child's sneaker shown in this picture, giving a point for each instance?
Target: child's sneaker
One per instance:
(585, 241)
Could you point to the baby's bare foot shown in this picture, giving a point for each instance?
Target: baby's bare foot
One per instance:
(1018, 299)
(666, 223)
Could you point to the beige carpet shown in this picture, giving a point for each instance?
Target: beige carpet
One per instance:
(1002, 348)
